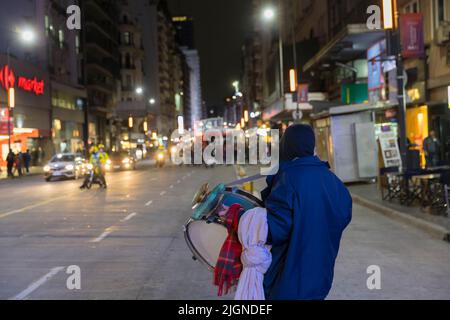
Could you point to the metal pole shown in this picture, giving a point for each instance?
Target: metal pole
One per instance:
(294, 52)
(280, 49)
(400, 92)
(8, 49)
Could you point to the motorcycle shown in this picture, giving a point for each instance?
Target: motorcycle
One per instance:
(160, 159)
(94, 175)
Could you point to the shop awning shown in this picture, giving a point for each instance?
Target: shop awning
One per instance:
(349, 44)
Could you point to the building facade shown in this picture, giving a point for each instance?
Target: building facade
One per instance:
(53, 58)
(100, 38)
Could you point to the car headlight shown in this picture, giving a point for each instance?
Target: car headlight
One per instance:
(126, 161)
(69, 167)
(160, 156)
(89, 166)
(108, 161)
(108, 167)
(46, 168)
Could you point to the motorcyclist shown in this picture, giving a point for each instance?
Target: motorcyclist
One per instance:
(103, 159)
(96, 162)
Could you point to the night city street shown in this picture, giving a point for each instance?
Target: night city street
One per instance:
(145, 255)
(224, 159)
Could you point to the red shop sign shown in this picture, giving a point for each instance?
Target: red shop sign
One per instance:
(8, 80)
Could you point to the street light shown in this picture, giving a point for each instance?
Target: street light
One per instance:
(246, 116)
(27, 36)
(145, 126)
(236, 86)
(388, 16)
(269, 13)
(152, 101)
(130, 122)
(393, 40)
(293, 80)
(139, 90)
(11, 98)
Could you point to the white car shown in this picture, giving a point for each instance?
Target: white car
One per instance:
(64, 165)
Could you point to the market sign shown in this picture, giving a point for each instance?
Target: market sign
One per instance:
(8, 80)
(412, 35)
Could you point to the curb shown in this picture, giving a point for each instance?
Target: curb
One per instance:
(431, 229)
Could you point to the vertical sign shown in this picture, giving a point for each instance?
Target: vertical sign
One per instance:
(412, 35)
(302, 93)
(4, 115)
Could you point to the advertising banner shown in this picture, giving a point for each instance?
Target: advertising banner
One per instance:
(412, 35)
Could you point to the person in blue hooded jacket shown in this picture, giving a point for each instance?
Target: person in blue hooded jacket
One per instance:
(308, 208)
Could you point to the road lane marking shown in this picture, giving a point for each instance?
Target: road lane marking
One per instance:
(179, 181)
(129, 217)
(35, 285)
(106, 233)
(162, 193)
(171, 186)
(39, 204)
(149, 203)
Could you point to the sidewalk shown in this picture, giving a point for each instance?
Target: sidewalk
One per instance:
(369, 196)
(33, 172)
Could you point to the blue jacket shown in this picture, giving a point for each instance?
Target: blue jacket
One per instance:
(308, 209)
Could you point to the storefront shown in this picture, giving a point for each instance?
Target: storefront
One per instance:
(68, 117)
(346, 138)
(30, 119)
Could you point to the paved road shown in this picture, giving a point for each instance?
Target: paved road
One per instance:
(128, 242)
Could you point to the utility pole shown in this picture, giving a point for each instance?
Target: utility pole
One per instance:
(391, 19)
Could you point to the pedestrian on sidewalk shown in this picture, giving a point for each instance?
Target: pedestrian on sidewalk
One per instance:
(10, 160)
(432, 146)
(308, 208)
(27, 160)
(18, 163)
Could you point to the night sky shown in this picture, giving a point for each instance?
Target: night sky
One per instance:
(220, 30)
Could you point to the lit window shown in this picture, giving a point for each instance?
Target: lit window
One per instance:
(61, 38)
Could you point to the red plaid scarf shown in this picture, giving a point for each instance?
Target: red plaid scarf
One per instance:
(229, 267)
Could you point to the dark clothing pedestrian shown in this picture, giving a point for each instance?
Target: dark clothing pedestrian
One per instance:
(27, 161)
(432, 148)
(18, 163)
(10, 160)
(308, 208)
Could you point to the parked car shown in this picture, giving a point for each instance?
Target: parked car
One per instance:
(65, 166)
(121, 161)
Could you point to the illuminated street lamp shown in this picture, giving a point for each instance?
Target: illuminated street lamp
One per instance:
(130, 122)
(152, 101)
(139, 90)
(26, 36)
(11, 98)
(293, 80)
(236, 86)
(246, 118)
(388, 15)
(268, 14)
(145, 126)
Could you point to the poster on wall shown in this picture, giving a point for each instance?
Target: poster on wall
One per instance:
(390, 149)
(412, 35)
(4, 115)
